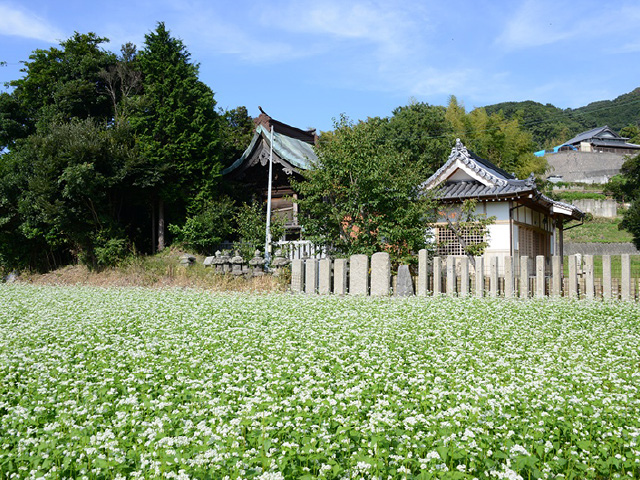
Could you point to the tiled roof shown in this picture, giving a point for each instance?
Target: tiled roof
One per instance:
(587, 135)
(297, 153)
(475, 189)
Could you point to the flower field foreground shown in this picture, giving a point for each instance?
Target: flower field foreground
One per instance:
(135, 383)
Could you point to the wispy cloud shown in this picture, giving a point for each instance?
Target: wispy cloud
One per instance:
(22, 23)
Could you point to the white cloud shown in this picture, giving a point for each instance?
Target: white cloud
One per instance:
(21, 23)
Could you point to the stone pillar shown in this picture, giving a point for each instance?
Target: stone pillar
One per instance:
(358, 275)
(297, 275)
(540, 290)
(606, 277)
(556, 275)
(311, 276)
(423, 273)
(451, 275)
(340, 276)
(524, 277)
(493, 276)
(437, 276)
(625, 281)
(508, 277)
(589, 277)
(464, 276)
(404, 283)
(573, 276)
(380, 274)
(479, 276)
(324, 276)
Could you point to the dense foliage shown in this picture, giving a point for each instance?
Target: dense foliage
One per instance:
(103, 150)
(133, 383)
(362, 196)
(629, 187)
(550, 125)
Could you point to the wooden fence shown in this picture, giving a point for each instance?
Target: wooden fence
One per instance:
(508, 277)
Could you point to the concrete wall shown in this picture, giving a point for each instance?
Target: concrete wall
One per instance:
(598, 208)
(600, 249)
(584, 167)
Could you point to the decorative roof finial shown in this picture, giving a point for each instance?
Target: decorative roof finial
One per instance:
(459, 148)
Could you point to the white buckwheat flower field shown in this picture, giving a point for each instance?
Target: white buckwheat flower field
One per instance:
(141, 383)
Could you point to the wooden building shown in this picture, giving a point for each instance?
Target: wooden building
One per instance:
(292, 153)
(527, 222)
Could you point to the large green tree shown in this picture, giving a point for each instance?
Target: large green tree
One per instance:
(629, 187)
(176, 125)
(362, 195)
(496, 138)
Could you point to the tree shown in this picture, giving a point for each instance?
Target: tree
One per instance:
(422, 132)
(500, 140)
(629, 186)
(362, 195)
(176, 125)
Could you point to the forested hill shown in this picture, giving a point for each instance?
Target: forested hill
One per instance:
(551, 125)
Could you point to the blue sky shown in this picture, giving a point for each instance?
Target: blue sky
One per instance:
(307, 62)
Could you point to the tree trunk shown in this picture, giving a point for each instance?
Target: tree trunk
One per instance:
(153, 228)
(160, 225)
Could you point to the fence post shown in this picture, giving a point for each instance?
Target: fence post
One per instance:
(311, 275)
(437, 276)
(589, 283)
(625, 264)
(358, 275)
(556, 275)
(606, 277)
(573, 276)
(479, 276)
(423, 273)
(540, 290)
(380, 274)
(508, 277)
(340, 276)
(524, 277)
(297, 275)
(451, 275)
(464, 276)
(324, 276)
(493, 276)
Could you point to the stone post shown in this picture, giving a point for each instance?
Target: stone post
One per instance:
(464, 276)
(493, 276)
(625, 281)
(236, 264)
(524, 277)
(324, 276)
(257, 262)
(404, 284)
(589, 277)
(340, 276)
(606, 277)
(437, 276)
(540, 286)
(297, 275)
(423, 273)
(508, 277)
(451, 275)
(556, 275)
(479, 276)
(380, 274)
(311, 275)
(573, 276)
(358, 275)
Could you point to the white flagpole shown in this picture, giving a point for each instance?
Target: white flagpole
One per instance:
(267, 241)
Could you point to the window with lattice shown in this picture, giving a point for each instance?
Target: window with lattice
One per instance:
(449, 244)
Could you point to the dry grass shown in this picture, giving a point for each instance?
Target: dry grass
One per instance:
(158, 271)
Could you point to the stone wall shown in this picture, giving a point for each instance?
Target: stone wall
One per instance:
(598, 208)
(584, 167)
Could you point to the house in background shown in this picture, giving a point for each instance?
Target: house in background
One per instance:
(527, 222)
(593, 156)
(292, 153)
